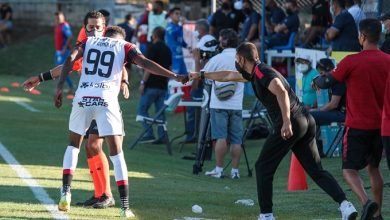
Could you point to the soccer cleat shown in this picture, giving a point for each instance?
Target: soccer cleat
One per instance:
(235, 175)
(348, 211)
(89, 202)
(268, 216)
(126, 213)
(214, 174)
(104, 202)
(64, 204)
(368, 210)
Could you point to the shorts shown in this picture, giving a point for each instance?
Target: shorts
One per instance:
(226, 124)
(92, 129)
(107, 115)
(361, 148)
(61, 57)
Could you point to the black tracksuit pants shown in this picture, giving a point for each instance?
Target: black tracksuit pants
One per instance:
(303, 144)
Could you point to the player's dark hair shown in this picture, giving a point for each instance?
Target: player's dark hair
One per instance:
(229, 38)
(173, 10)
(95, 15)
(248, 51)
(371, 28)
(159, 32)
(293, 2)
(128, 17)
(58, 13)
(115, 30)
(159, 3)
(340, 3)
(105, 12)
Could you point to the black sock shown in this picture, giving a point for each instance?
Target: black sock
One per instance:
(124, 196)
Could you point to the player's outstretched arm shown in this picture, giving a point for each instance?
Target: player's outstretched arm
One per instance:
(222, 76)
(34, 81)
(125, 83)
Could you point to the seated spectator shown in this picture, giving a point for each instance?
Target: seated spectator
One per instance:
(5, 23)
(334, 111)
(274, 15)
(250, 30)
(283, 30)
(355, 10)
(127, 27)
(309, 96)
(386, 29)
(153, 88)
(320, 21)
(225, 17)
(343, 34)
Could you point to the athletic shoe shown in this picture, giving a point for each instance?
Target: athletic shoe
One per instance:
(214, 173)
(146, 140)
(64, 204)
(234, 175)
(348, 211)
(104, 202)
(368, 210)
(89, 202)
(268, 216)
(126, 213)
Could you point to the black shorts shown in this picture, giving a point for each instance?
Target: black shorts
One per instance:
(361, 147)
(93, 129)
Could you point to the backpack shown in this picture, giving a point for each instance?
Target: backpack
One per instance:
(225, 91)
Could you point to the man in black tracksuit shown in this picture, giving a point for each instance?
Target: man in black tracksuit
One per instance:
(293, 128)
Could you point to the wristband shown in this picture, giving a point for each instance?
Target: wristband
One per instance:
(45, 76)
(202, 74)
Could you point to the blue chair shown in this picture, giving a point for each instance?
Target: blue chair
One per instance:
(286, 51)
(290, 44)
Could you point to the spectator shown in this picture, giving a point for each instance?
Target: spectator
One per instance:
(142, 27)
(283, 30)
(343, 34)
(153, 88)
(334, 110)
(274, 16)
(309, 97)
(5, 23)
(365, 75)
(354, 9)
(175, 41)
(127, 27)
(62, 43)
(225, 115)
(386, 29)
(320, 20)
(250, 30)
(225, 17)
(156, 18)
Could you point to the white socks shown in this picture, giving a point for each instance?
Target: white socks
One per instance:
(70, 158)
(120, 168)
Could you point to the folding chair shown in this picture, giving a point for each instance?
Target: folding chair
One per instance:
(171, 103)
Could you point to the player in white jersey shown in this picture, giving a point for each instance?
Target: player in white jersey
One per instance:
(96, 98)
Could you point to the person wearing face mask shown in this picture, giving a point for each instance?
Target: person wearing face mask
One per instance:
(293, 129)
(274, 15)
(353, 7)
(385, 19)
(365, 75)
(156, 18)
(343, 34)
(249, 30)
(225, 17)
(309, 96)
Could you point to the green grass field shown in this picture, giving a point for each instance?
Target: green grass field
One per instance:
(161, 186)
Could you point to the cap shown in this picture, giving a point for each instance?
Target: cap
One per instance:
(325, 64)
(201, 44)
(384, 16)
(302, 57)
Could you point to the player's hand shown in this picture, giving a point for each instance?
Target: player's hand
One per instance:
(31, 83)
(141, 89)
(182, 78)
(125, 90)
(286, 130)
(58, 98)
(194, 75)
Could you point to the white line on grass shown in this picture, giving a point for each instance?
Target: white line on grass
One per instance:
(24, 105)
(38, 191)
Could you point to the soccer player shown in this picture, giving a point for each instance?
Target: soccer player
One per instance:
(293, 128)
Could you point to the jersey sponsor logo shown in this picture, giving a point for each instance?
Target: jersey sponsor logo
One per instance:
(88, 101)
(98, 85)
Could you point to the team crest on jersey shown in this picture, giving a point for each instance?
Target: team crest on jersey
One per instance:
(88, 101)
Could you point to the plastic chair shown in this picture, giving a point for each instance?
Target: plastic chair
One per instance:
(286, 51)
(170, 103)
(290, 44)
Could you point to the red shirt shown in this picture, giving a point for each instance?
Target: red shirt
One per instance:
(386, 110)
(365, 75)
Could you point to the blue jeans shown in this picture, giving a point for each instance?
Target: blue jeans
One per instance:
(326, 118)
(150, 96)
(60, 59)
(196, 95)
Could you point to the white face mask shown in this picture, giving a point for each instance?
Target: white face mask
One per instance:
(384, 28)
(303, 68)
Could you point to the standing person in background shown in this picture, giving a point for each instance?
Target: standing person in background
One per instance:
(141, 31)
(309, 96)
(62, 42)
(6, 23)
(353, 7)
(386, 30)
(250, 31)
(320, 20)
(225, 17)
(126, 25)
(156, 18)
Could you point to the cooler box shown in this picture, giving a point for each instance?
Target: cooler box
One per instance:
(328, 134)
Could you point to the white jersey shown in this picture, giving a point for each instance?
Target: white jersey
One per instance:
(101, 72)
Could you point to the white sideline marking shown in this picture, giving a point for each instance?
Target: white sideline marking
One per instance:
(24, 105)
(38, 191)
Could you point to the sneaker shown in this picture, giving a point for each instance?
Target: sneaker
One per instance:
(268, 216)
(64, 204)
(89, 202)
(104, 202)
(368, 210)
(146, 140)
(348, 211)
(126, 213)
(235, 175)
(214, 173)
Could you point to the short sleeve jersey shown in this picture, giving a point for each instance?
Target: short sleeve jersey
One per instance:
(261, 79)
(62, 33)
(103, 61)
(347, 38)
